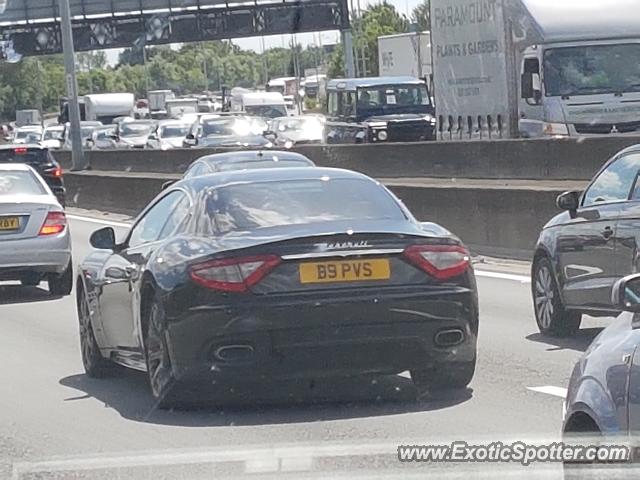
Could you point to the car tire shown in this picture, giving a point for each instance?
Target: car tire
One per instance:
(161, 382)
(61, 284)
(444, 376)
(552, 317)
(95, 365)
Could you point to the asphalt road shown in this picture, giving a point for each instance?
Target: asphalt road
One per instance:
(50, 410)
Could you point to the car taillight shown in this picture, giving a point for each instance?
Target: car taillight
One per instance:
(56, 172)
(20, 150)
(440, 261)
(233, 274)
(54, 224)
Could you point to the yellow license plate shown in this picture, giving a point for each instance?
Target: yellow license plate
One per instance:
(9, 223)
(345, 271)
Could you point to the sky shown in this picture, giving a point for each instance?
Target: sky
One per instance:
(327, 38)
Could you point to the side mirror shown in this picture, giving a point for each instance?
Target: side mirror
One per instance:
(625, 294)
(270, 135)
(113, 136)
(60, 138)
(166, 185)
(190, 140)
(569, 201)
(103, 239)
(152, 136)
(526, 83)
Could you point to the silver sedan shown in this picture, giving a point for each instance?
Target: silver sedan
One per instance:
(35, 243)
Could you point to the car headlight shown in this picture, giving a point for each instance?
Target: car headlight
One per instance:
(382, 135)
(556, 129)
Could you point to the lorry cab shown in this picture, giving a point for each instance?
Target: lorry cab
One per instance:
(586, 87)
(381, 109)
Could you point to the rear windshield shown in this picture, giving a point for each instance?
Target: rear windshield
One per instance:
(248, 207)
(225, 167)
(19, 155)
(20, 183)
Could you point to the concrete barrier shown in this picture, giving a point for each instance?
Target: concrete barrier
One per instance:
(566, 159)
(501, 220)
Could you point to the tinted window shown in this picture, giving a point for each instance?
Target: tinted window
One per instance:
(20, 183)
(225, 167)
(149, 227)
(21, 155)
(173, 131)
(614, 183)
(135, 129)
(195, 171)
(252, 206)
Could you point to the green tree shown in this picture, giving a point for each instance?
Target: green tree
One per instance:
(421, 16)
(379, 19)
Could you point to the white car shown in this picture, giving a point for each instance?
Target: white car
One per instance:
(35, 243)
(169, 134)
(52, 137)
(28, 134)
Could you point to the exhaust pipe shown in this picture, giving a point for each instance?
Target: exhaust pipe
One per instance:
(234, 353)
(449, 337)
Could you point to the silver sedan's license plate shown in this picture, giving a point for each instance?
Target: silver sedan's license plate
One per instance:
(8, 224)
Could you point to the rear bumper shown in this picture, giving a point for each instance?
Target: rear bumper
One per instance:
(350, 336)
(40, 254)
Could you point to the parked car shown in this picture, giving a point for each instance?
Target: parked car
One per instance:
(226, 131)
(168, 134)
(290, 131)
(52, 137)
(35, 244)
(582, 251)
(278, 273)
(41, 160)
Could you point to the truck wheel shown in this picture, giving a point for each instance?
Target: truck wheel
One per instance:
(445, 376)
(551, 316)
(61, 285)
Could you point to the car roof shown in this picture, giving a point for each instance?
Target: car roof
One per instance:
(253, 155)
(235, 177)
(353, 83)
(30, 127)
(12, 167)
(29, 146)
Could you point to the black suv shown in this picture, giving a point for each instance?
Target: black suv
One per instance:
(41, 160)
(379, 110)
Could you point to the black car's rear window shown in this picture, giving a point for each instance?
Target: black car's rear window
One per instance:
(22, 155)
(251, 206)
(224, 167)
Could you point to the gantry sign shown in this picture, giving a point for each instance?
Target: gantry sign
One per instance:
(32, 27)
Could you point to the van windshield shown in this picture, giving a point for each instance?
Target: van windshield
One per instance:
(590, 70)
(384, 99)
(267, 111)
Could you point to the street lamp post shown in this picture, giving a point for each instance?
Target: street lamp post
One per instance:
(78, 161)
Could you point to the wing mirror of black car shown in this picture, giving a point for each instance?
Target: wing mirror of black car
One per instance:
(569, 201)
(103, 239)
(625, 294)
(166, 185)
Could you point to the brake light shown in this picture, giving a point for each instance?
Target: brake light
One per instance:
(20, 150)
(54, 224)
(56, 172)
(233, 274)
(439, 261)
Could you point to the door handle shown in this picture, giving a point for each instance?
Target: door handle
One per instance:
(607, 232)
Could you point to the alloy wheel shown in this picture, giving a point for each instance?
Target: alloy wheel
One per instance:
(544, 296)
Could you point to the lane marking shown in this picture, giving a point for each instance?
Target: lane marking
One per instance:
(479, 273)
(550, 390)
(503, 276)
(99, 222)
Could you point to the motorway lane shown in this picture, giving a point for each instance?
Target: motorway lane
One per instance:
(50, 408)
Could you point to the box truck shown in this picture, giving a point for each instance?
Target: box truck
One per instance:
(104, 107)
(158, 101)
(535, 68)
(405, 54)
